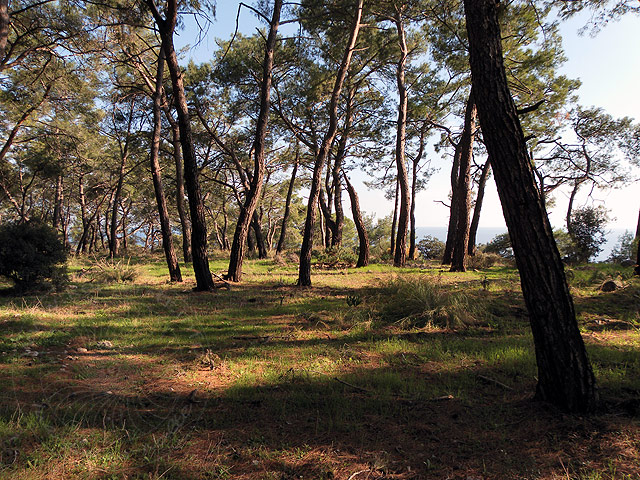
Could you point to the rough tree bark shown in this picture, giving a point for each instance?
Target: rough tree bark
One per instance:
(363, 236)
(463, 188)
(166, 27)
(565, 377)
(304, 273)
(475, 221)
(163, 213)
(253, 194)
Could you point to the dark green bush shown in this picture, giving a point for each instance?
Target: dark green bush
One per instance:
(431, 248)
(32, 255)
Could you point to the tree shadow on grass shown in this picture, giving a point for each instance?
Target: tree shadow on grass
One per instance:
(396, 421)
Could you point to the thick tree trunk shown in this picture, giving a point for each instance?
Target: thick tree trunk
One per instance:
(463, 197)
(163, 213)
(400, 256)
(166, 27)
(304, 273)
(475, 221)
(252, 196)
(363, 236)
(565, 377)
(287, 206)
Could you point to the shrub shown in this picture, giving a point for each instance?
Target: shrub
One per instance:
(625, 249)
(418, 301)
(430, 247)
(112, 271)
(32, 255)
(333, 257)
(500, 245)
(481, 260)
(587, 233)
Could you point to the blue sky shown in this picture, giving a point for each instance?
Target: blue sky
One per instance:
(608, 66)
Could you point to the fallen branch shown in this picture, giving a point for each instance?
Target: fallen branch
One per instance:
(227, 284)
(358, 473)
(493, 380)
(355, 387)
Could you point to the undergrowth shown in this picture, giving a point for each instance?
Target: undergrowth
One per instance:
(419, 301)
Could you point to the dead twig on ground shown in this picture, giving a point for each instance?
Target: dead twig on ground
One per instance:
(494, 381)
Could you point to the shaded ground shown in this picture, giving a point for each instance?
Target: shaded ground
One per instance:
(268, 381)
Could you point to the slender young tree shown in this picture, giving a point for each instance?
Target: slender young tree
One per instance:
(363, 236)
(163, 213)
(565, 377)
(253, 194)
(400, 255)
(287, 205)
(304, 273)
(475, 220)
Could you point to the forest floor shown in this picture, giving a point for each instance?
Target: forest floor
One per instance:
(265, 380)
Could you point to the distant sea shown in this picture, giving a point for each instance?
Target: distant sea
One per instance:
(485, 234)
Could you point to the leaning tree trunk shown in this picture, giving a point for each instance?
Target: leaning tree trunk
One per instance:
(475, 221)
(363, 236)
(304, 273)
(287, 207)
(400, 256)
(463, 198)
(252, 196)
(166, 27)
(163, 213)
(565, 377)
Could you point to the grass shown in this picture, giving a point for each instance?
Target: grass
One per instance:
(266, 380)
